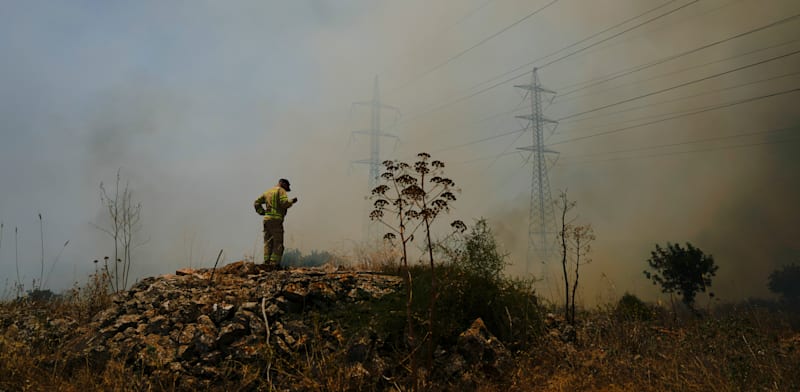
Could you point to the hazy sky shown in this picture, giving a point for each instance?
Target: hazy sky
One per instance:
(203, 105)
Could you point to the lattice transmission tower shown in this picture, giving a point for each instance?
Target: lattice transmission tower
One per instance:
(375, 134)
(542, 222)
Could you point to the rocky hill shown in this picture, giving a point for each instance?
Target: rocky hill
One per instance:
(249, 326)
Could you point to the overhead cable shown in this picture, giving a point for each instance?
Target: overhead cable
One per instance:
(504, 81)
(619, 74)
(708, 109)
(680, 85)
(479, 43)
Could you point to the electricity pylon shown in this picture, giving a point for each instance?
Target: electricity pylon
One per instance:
(375, 134)
(541, 223)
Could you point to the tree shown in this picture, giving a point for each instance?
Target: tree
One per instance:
(682, 271)
(413, 197)
(575, 247)
(786, 282)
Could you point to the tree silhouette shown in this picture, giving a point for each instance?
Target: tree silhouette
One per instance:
(786, 282)
(682, 271)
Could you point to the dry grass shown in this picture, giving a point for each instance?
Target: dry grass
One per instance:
(374, 256)
(737, 348)
(742, 349)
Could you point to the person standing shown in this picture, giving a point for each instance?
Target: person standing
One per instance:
(273, 205)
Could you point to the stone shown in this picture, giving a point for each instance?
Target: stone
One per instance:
(231, 332)
(205, 338)
(158, 351)
(478, 346)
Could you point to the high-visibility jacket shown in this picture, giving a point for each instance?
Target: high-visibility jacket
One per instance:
(273, 203)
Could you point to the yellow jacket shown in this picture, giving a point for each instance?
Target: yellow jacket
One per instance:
(276, 202)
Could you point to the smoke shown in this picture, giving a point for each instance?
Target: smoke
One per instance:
(203, 108)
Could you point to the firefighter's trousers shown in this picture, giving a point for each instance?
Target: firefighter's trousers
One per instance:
(273, 241)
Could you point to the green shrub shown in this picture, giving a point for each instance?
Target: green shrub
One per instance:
(472, 285)
(630, 307)
(295, 258)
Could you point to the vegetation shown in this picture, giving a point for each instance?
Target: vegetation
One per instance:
(627, 345)
(631, 345)
(576, 243)
(736, 348)
(631, 308)
(296, 258)
(124, 224)
(685, 271)
(786, 282)
(413, 197)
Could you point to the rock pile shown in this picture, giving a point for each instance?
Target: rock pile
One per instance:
(185, 327)
(245, 324)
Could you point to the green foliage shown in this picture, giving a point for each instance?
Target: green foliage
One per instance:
(630, 307)
(478, 253)
(682, 271)
(786, 282)
(508, 307)
(472, 285)
(295, 258)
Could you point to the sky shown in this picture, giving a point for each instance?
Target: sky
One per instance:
(678, 125)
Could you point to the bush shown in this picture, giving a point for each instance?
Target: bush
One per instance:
(478, 254)
(786, 282)
(630, 307)
(472, 285)
(295, 258)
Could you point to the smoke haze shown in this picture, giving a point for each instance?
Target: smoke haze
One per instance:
(203, 106)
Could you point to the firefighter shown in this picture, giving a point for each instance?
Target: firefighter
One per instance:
(273, 205)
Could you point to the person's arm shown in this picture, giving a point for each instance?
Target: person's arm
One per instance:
(259, 205)
(284, 200)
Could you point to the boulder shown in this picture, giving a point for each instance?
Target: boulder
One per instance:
(480, 347)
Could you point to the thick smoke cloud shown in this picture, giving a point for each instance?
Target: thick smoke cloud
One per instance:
(203, 107)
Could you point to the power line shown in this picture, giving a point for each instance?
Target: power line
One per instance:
(736, 146)
(468, 15)
(678, 114)
(479, 43)
(638, 68)
(688, 18)
(499, 135)
(652, 104)
(668, 101)
(473, 12)
(493, 116)
(682, 98)
(795, 128)
(530, 63)
(507, 149)
(488, 157)
(618, 34)
(504, 81)
(677, 71)
(516, 110)
(680, 85)
(708, 109)
(696, 141)
(658, 115)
